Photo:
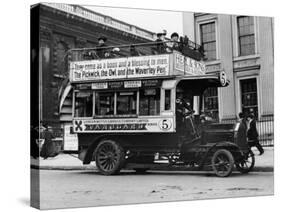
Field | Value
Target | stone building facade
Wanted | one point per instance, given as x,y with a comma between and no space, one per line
63,27
243,47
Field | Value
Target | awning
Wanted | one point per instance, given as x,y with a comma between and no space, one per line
207,80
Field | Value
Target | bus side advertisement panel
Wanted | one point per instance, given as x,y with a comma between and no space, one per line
163,124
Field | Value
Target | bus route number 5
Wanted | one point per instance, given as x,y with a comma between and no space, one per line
165,124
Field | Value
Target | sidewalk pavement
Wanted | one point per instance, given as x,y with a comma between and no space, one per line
62,161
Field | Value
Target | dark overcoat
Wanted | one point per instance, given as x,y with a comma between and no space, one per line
242,135
253,132
48,148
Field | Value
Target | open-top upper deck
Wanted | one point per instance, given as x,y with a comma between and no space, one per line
134,62
162,65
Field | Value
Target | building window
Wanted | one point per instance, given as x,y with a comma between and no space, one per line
211,103
208,40
249,98
246,35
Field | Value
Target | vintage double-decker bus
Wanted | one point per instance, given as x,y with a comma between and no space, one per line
134,111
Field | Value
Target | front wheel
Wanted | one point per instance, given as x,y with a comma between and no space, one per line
109,157
247,163
222,163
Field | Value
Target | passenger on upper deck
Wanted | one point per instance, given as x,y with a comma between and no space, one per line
101,50
160,44
134,51
175,44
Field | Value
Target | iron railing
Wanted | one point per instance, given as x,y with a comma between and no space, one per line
265,127
186,47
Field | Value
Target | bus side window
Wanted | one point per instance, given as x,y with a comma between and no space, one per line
126,102
104,103
83,104
167,100
149,103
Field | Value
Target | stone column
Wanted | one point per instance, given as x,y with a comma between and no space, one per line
266,45
226,95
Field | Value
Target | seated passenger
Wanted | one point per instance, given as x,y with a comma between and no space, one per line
133,51
101,50
160,44
175,44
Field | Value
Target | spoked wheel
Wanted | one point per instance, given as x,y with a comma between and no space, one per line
222,163
109,157
247,163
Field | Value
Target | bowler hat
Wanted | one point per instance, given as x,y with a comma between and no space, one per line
161,33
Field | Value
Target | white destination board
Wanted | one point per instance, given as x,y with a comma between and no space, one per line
153,124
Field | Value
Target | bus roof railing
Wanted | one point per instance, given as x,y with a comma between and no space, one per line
188,48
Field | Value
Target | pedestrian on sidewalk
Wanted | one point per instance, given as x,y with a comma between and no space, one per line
34,148
252,134
242,133
48,148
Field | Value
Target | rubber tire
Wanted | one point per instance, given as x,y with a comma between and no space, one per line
120,157
230,159
243,170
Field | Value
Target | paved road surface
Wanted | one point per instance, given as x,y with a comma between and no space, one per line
61,189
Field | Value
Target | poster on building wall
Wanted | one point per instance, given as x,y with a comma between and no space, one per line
70,138
120,68
124,125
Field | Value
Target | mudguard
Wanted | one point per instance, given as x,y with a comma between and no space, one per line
233,148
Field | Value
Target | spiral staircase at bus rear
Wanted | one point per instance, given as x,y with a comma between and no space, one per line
65,102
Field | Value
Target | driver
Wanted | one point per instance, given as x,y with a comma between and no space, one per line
184,118
183,107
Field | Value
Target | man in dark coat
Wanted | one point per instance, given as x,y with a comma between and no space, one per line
160,44
48,148
253,135
101,49
242,133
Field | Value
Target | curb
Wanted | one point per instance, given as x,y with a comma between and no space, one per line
93,168
63,168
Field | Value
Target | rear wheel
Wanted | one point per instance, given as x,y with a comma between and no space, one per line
222,163
247,163
109,157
